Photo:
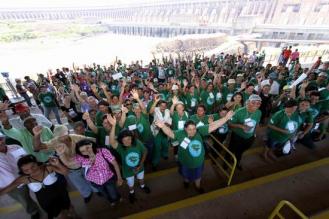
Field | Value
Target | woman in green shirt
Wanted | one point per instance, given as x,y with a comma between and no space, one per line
133,155
191,150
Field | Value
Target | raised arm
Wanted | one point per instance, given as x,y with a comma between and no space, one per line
123,85
174,103
135,95
37,144
218,123
165,129
106,93
113,122
156,100
90,123
95,92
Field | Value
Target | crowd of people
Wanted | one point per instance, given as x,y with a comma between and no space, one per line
125,118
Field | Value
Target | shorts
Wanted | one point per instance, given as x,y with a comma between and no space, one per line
131,179
191,174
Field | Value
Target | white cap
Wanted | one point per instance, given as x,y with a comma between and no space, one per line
174,87
231,81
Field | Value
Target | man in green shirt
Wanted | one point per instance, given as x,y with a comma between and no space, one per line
103,108
283,126
49,103
191,149
133,155
243,125
25,135
304,136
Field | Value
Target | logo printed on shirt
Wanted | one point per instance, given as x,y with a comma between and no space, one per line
195,148
132,159
140,127
291,126
47,99
210,101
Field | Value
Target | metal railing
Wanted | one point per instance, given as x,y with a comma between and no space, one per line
215,154
276,211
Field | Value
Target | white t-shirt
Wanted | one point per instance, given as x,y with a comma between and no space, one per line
275,87
8,164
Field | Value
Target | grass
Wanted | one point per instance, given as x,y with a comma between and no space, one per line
11,31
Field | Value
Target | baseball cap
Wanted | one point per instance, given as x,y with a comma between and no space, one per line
323,74
21,108
231,81
254,97
60,130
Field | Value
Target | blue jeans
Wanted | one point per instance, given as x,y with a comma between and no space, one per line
78,180
48,110
109,190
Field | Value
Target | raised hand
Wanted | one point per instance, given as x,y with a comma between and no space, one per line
37,130
124,109
174,100
86,116
210,119
134,93
54,161
103,86
111,119
4,106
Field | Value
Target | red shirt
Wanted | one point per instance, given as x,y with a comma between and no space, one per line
286,53
99,172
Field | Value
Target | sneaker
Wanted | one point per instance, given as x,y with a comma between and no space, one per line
146,189
154,168
35,216
200,190
132,198
87,199
99,194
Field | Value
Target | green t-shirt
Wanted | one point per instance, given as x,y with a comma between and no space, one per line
99,118
178,122
208,99
242,116
281,120
142,126
201,121
306,117
192,153
131,158
191,101
47,99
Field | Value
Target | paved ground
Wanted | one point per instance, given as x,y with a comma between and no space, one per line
167,187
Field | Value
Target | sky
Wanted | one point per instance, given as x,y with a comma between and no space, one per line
64,3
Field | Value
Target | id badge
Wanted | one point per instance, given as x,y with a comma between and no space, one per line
181,125
193,103
185,143
200,124
132,127
107,140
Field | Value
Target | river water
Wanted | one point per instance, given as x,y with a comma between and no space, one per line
37,56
